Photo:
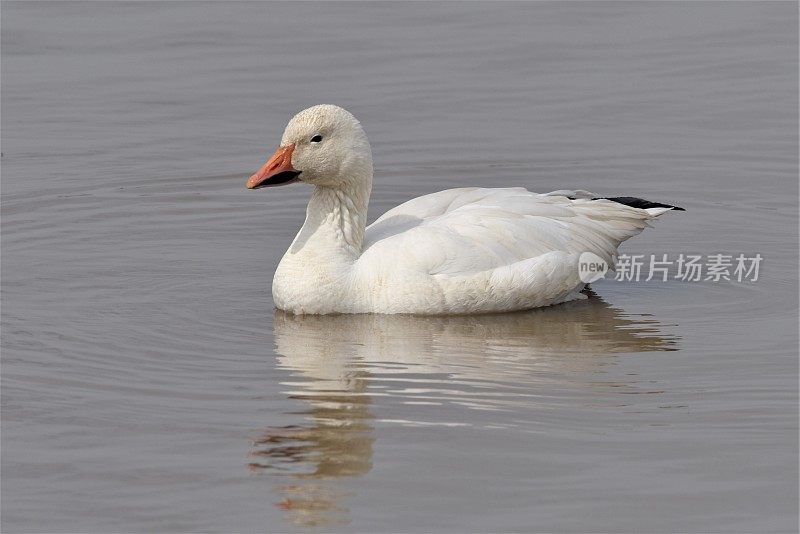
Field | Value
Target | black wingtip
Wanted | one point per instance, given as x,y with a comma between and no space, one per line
639,203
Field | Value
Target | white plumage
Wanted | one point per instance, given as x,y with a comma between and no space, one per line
466,250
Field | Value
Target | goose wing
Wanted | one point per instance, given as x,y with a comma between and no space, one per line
468,230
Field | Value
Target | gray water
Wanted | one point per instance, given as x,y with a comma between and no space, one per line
149,385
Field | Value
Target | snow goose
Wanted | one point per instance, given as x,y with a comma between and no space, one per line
458,251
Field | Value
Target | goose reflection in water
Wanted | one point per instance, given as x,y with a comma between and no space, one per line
490,362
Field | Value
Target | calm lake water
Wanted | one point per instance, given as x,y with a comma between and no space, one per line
148,384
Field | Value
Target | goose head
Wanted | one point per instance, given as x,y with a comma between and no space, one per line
323,145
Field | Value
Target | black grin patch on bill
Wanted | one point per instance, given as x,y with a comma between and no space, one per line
282,178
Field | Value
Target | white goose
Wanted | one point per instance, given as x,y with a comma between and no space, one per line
466,250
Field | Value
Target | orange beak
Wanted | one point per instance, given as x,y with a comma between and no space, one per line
276,171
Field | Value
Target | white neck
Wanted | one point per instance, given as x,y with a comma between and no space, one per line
335,221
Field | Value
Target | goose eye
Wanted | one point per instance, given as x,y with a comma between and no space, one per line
316,139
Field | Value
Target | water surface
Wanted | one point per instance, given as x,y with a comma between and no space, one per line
149,385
